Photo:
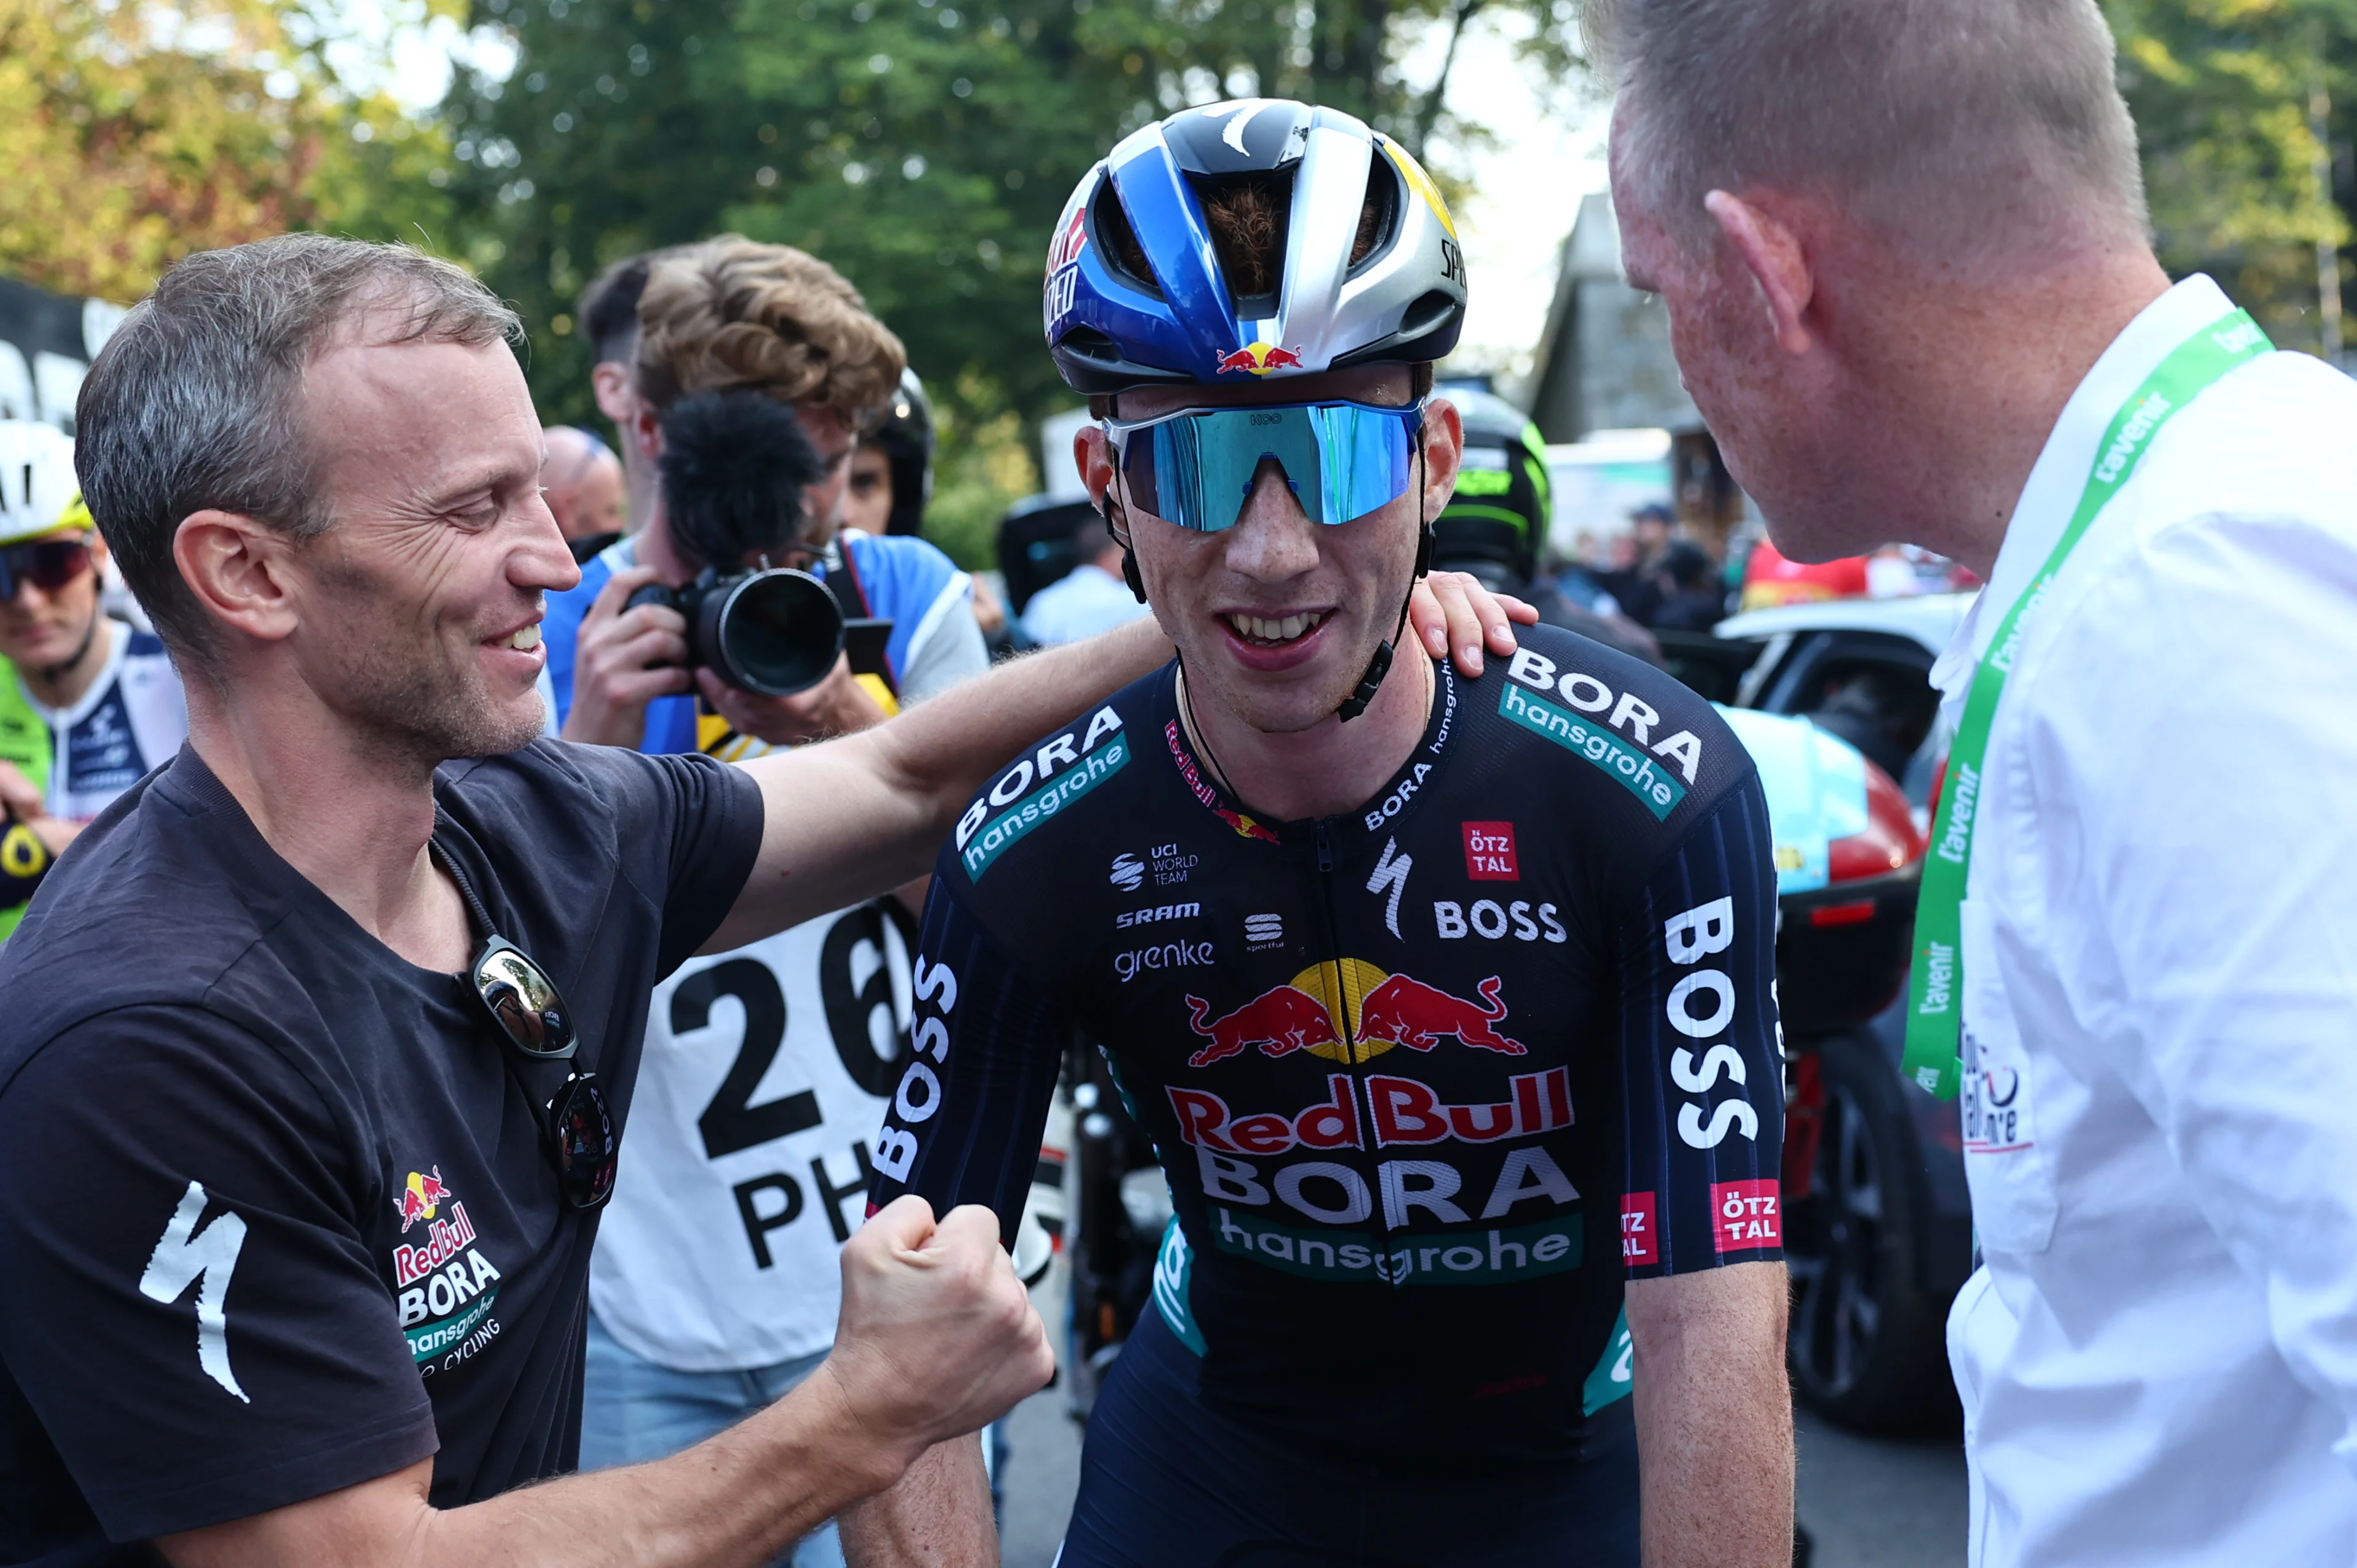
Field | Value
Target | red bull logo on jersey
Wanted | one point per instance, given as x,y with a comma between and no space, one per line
1351,1011
1260,359
420,1198
1397,1110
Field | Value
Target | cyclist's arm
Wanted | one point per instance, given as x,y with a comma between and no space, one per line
964,1127
1713,1417
850,818
1702,1222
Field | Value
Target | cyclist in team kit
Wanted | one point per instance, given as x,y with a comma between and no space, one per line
1447,1003
88,703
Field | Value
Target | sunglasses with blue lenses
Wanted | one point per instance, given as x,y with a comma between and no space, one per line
1196,468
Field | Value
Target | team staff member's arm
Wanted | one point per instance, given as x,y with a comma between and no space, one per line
964,1128
1702,1217
851,817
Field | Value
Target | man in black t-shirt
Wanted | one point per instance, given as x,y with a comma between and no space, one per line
296,1230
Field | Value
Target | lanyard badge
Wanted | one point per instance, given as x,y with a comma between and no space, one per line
1935,978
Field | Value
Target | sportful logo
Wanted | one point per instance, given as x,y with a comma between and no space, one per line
1263,931
1064,776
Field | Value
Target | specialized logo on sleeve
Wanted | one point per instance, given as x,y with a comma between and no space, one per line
186,1256
1063,772
444,1285
1657,772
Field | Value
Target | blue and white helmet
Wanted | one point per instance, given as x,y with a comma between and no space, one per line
1112,327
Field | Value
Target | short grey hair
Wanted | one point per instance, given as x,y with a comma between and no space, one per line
196,401
1966,127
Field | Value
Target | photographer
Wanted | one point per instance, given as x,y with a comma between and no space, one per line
731,314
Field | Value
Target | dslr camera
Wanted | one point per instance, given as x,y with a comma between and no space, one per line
734,467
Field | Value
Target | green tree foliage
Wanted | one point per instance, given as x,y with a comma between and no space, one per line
2243,110
923,147
133,136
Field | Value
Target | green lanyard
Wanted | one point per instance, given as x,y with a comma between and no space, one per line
1935,982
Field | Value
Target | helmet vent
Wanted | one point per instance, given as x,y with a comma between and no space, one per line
1378,216
1117,244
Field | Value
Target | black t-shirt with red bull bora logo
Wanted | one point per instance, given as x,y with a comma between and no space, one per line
1430,1080
277,1221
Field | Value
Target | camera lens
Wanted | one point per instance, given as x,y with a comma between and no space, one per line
776,632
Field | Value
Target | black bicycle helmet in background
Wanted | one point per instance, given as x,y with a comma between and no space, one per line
906,437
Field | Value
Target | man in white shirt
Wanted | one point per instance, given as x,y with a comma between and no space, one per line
1903,248
1090,598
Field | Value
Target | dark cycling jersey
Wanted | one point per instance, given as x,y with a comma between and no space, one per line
1428,1079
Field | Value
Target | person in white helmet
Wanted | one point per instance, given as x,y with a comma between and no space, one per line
88,703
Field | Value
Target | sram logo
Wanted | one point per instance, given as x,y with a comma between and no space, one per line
1129,917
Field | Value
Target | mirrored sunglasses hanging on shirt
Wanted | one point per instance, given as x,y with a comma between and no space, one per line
528,1015
1195,468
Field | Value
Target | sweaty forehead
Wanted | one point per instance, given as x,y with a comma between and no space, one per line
1392,384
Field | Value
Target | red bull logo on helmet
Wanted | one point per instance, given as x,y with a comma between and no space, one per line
1260,359
1351,1011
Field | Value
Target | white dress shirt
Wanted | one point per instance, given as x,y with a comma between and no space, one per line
2158,1356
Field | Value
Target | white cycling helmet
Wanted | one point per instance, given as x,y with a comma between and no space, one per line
39,492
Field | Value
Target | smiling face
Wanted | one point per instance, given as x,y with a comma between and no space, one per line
418,609
1276,617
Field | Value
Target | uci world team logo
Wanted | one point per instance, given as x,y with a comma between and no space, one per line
1350,1011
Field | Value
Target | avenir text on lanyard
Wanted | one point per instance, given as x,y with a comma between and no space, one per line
1935,980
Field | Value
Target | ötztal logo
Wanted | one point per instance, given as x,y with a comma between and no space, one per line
1490,852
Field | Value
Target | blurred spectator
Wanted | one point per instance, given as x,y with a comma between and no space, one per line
585,487
1090,598
608,322
88,703
1635,580
1694,600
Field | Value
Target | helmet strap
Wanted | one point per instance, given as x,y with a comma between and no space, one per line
1129,572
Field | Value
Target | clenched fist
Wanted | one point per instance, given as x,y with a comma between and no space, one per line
937,1337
